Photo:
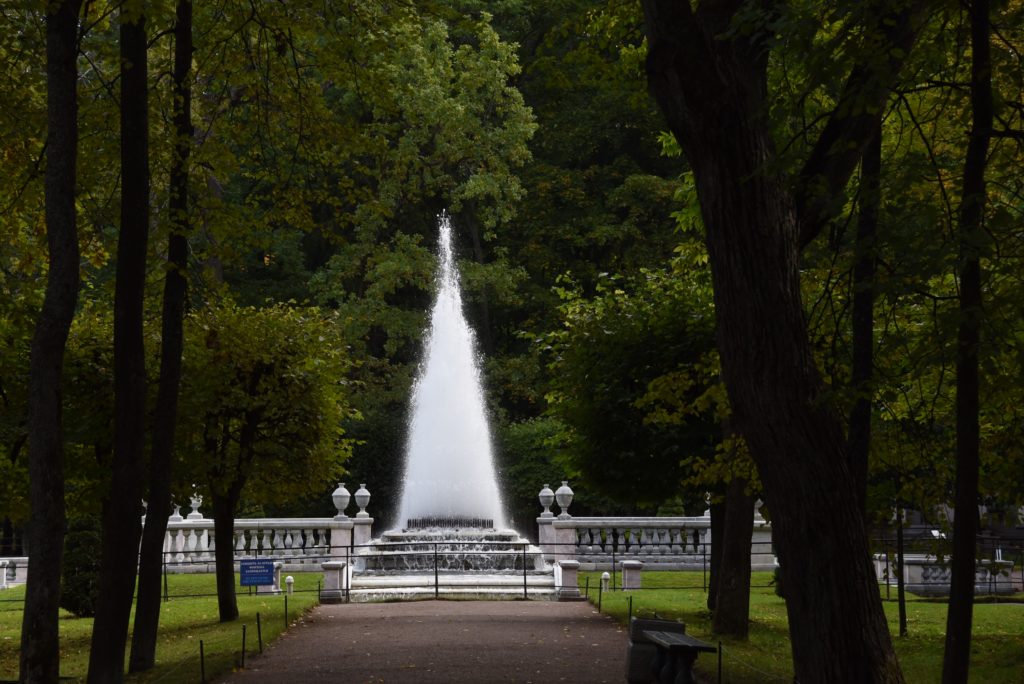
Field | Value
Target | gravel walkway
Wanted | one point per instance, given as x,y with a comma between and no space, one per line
445,641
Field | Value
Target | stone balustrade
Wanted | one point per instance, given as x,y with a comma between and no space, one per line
660,542
297,540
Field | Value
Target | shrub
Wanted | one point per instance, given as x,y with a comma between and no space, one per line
81,572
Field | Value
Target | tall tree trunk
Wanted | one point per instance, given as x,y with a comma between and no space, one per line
40,649
859,431
147,608
710,80
121,526
224,554
732,607
956,660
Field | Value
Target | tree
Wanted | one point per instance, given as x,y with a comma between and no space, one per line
263,399
40,649
147,609
956,660
122,509
614,359
708,70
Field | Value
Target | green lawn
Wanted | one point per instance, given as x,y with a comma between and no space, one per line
185,620
997,650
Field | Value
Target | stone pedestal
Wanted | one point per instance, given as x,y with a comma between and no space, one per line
631,574
335,582
564,543
274,588
362,532
566,579
341,537
546,537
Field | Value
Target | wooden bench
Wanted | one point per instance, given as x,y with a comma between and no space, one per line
676,655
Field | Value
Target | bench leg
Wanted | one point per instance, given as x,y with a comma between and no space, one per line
683,666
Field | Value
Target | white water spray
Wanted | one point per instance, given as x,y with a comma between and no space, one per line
449,468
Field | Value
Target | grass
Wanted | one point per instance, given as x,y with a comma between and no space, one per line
185,619
997,649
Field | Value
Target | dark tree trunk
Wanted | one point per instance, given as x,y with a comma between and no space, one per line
956,660
40,649
711,82
147,608
859,432
121,525
732,607
717,536
224,554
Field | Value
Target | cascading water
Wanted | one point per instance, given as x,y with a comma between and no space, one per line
449,468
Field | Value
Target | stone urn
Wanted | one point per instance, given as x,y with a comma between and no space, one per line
546,498
341,497
362,499
563,495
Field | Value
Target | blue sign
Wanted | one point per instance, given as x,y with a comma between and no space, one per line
256,572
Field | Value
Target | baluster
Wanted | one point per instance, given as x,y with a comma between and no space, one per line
664,549
586,546
580,546
675,549
204,545
211,547
179,546
598,541
621,541
288,542
240,549
277,545
645,541
265,547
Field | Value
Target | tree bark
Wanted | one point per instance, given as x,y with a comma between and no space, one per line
224,554
956,660
40,649
121,524
147,608
711,82
859,431
732,607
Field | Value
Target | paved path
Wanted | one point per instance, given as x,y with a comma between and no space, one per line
445,641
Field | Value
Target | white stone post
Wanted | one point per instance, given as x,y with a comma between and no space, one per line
274,588
567,583
335,576
631,574
341,538
564,543
3,574
362,533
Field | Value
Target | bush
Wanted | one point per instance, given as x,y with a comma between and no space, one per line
777,581
81,573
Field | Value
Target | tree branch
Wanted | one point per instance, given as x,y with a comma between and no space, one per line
857,113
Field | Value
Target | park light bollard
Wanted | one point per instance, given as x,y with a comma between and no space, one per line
567,579
289,582
605,579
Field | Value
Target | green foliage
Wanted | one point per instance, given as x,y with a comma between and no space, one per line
621,357
264,394
81,570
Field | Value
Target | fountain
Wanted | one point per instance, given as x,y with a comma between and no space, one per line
451,512
449,469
